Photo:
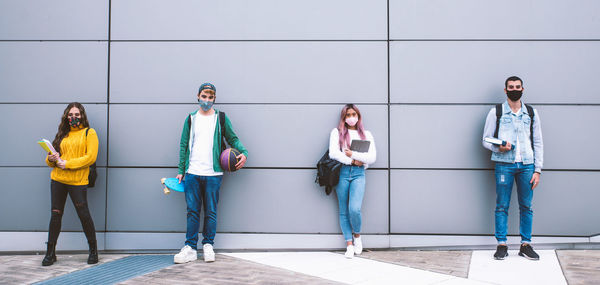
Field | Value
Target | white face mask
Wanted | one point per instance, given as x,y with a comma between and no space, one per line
351,121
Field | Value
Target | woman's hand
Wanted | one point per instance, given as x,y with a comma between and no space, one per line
179,177
53,157
242,161
357,163
348,152
61,163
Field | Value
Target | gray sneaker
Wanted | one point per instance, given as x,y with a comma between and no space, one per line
527,252
501,252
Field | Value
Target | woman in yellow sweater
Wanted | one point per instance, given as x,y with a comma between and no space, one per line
77,147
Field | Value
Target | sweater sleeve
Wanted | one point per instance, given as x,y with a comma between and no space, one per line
232,138
334,148
90,156
50,163
369,156
183,146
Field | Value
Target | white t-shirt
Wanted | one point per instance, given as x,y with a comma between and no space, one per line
518,157
201,158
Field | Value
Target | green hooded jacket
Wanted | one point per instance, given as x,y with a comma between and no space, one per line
185,144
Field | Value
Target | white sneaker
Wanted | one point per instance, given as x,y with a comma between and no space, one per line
358,245
349,251
209,253
186,254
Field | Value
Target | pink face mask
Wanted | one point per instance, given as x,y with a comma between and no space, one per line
351,121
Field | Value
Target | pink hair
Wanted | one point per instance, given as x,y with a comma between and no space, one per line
343,128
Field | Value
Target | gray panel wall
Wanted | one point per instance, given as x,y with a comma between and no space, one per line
54,20
256,20
48,72
512,19
283,70
250,72
554,72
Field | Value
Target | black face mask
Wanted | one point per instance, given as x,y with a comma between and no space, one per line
514,95
74,122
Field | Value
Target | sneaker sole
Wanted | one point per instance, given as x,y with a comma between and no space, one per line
209,259
530,258
501,257
183,261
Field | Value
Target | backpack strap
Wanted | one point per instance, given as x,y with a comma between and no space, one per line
222,124
531,114
498,116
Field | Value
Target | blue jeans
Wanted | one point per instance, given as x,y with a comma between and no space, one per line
506,174
350,192
201,191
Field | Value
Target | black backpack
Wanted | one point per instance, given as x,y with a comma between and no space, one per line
328,172
499,115
93,173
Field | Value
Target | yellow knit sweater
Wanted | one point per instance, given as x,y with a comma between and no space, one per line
79,152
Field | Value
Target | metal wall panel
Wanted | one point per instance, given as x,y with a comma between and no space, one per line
51,72
448,136
250,72
242,20
444,202
26,195
513,19
251,200
275,135
54,20
28,123
463,201
466,72
569,134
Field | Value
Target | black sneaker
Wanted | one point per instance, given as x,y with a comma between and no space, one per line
501,252
527,252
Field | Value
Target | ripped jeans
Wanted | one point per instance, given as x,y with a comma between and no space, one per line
78,195
506,175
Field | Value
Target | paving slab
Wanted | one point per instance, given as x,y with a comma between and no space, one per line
225,270
581,267
335,267
454,263
515,270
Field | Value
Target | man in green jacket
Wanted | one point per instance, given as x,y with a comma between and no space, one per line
199,151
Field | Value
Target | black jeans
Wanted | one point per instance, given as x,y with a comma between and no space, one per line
78,195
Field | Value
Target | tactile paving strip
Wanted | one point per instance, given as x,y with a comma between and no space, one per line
115,271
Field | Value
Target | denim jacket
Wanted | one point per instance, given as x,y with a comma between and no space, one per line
512,128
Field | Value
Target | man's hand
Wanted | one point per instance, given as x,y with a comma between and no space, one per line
505,148
348,152
357,163
61,163
241,162
179,177
535,180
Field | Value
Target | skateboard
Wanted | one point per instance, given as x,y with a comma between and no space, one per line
171,184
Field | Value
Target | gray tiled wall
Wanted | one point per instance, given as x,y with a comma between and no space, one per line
424,73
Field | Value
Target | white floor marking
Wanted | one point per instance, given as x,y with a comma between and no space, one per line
516,269
336,267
